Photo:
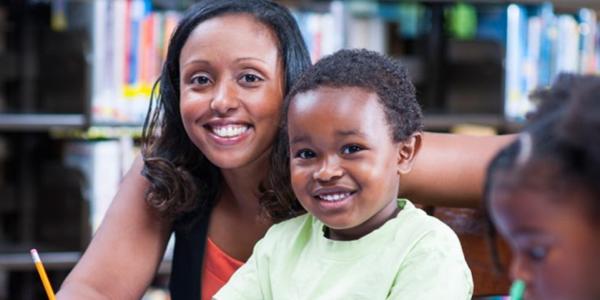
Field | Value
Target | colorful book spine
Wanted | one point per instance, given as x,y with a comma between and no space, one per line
540,45
515,53
588,29
130,45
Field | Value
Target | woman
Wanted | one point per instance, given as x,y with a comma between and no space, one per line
206,147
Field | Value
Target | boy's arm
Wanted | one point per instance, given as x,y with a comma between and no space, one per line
450,169
435,269
124,254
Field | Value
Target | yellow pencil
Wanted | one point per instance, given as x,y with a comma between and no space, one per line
43,276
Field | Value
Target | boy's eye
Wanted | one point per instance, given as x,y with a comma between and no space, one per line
305,154
349,149
537,253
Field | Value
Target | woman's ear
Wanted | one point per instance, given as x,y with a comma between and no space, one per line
407,152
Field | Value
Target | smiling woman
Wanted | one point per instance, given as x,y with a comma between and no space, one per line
206,149
231,92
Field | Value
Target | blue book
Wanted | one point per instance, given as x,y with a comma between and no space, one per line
547,58
516,49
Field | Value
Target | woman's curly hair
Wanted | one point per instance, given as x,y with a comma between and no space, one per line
183,181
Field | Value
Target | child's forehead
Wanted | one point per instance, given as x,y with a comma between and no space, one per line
351,102
525,199
328,89
540,175
333,108
332,95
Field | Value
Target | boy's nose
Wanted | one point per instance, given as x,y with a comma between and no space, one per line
519,269
329,170
225,99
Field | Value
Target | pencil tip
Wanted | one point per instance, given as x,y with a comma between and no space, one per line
35,255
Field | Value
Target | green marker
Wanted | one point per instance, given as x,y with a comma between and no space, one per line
517,290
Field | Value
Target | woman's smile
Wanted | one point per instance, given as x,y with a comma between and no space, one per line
228,132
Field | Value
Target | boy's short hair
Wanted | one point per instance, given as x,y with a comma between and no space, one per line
373,72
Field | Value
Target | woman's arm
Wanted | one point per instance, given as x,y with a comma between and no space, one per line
450,169
125,252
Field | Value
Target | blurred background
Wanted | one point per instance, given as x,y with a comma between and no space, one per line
76,77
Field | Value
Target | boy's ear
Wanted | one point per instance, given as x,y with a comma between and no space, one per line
407,152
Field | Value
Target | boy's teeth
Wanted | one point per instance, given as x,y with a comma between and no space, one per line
229,130
334,197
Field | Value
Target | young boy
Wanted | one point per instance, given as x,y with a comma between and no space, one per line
353,127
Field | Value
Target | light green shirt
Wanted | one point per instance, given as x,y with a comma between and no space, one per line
413,256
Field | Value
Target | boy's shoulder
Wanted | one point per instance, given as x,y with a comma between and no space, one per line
294,229
414,224
292,224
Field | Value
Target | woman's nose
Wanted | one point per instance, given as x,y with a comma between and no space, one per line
225,99
329,169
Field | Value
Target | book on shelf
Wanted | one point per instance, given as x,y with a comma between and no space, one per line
130,42
343,25
542,44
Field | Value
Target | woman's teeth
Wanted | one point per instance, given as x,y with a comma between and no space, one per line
334,197
229,130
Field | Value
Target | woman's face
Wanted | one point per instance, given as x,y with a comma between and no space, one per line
231,89
555,245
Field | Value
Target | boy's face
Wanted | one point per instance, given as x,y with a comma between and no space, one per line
555,246
344,164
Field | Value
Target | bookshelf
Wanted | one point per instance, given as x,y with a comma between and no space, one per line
40,122
64,93
467,57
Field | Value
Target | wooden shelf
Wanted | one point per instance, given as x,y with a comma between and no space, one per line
54,261
447,121
40,122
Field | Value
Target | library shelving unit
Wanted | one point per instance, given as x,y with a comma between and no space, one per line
75,78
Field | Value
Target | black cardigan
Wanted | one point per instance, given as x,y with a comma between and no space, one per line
186,271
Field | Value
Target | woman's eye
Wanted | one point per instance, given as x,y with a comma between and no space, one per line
305,154
349,149
250,78
537,253
200,79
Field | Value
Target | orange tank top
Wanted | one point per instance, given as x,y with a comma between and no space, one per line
216,270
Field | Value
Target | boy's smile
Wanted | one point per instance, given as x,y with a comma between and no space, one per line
344,163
